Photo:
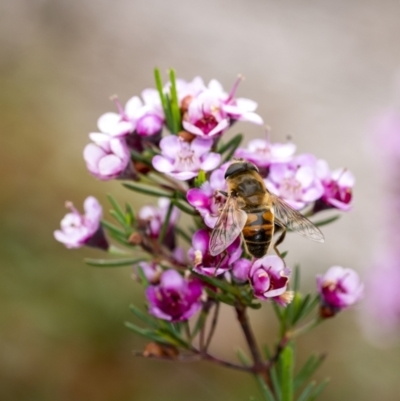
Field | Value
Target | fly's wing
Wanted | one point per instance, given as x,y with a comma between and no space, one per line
228,226
285,216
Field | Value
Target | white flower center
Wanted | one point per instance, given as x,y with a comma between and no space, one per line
186,159
291,188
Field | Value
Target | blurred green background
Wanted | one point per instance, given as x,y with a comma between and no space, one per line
320,70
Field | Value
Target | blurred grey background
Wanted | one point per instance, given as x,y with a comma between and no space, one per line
320,71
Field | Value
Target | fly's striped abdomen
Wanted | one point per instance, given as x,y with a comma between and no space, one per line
258,231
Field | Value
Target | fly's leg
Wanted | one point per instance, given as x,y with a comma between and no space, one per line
279,241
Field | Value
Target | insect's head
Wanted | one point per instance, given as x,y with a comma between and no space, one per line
240,166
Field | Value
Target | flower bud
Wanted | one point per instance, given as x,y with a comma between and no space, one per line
339,288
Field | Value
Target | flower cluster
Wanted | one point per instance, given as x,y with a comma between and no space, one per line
170,144
202,114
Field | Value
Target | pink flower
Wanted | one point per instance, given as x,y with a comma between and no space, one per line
339,288
205,116
151,271
337,185
183,160
152,219
144,118
175,298
78,230
213,110
296,182
204,262
263,153
187,90
269,278
207,199
107,157
241,269
147,115
113,124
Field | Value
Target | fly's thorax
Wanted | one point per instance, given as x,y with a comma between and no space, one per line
249,186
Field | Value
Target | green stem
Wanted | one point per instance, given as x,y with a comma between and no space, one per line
304,329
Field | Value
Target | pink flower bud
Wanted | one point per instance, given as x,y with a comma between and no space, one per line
339,288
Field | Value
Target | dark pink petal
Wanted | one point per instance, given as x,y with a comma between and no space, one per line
197,198
171,279
200,241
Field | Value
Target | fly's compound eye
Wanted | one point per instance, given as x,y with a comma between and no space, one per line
240,167
234,168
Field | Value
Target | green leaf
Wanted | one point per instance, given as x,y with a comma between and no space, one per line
254,306
278,311
143,279
243,358
114,250
176,114
309,308
163,98
301,308
286,365
118,210
267,352
200,322
183,235
164,227
121,220
120,239
200,179
304,396
141,158
296,279
294,308
284,254
185,208
224,298
112,262
113,229
326,221
266,392
308,369
275,383
144,317
216,282
319,389
129,215
235,144
147,190
147,333
172,337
